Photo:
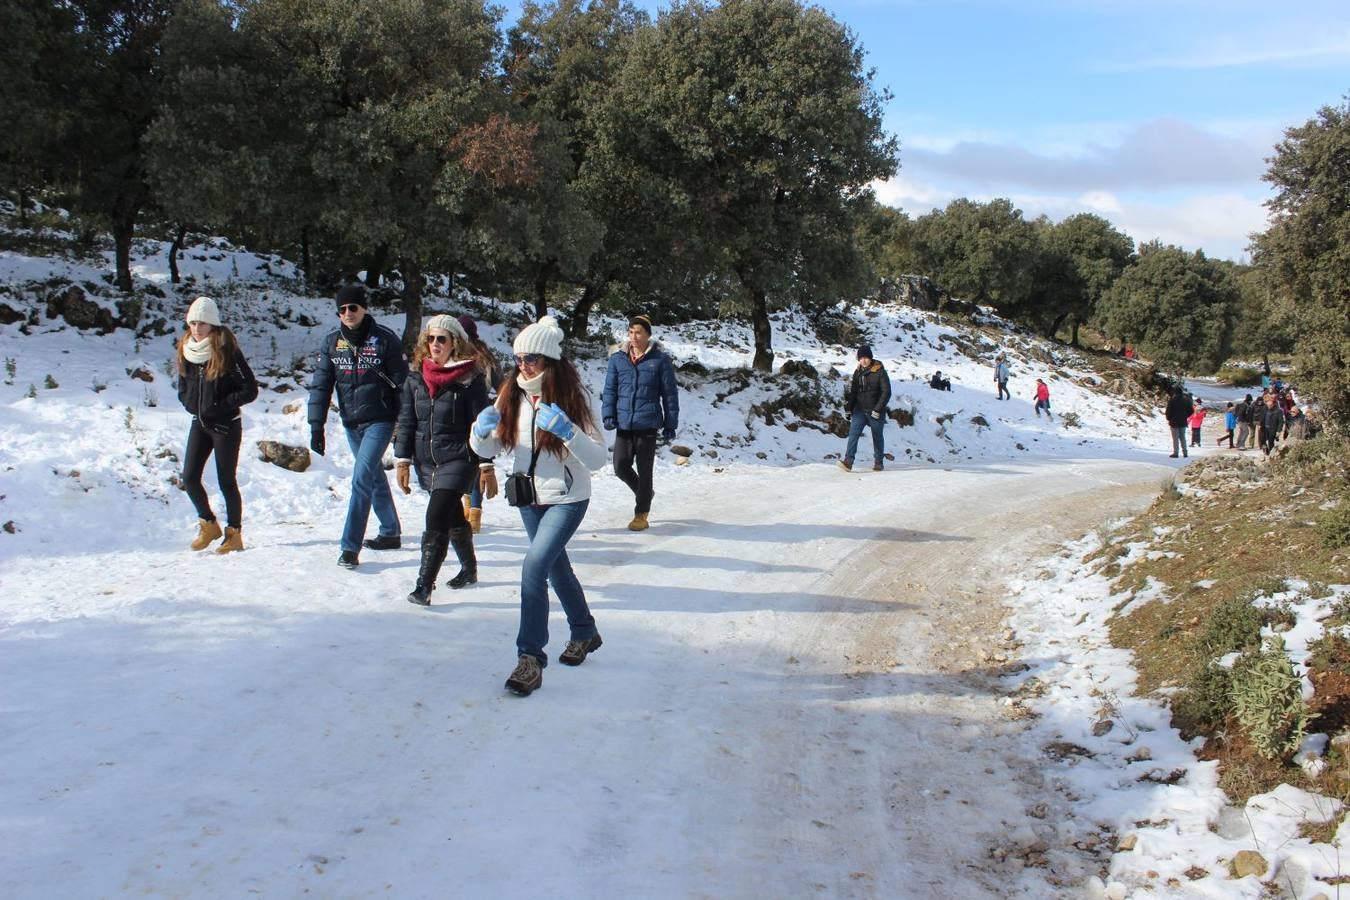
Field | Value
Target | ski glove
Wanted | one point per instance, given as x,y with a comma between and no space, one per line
485,423
667,435
611,423
875,414
403,473
553,420
487,483
316,440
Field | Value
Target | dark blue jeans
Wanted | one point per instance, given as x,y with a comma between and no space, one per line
546,563
856,424
370,486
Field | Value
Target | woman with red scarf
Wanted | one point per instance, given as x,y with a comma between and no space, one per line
443,395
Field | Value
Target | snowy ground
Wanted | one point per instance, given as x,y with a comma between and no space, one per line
803,687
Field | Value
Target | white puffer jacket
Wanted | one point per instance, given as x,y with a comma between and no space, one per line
566,480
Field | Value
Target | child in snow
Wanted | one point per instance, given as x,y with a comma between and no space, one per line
1229,423
1043,398
214,380
1195,420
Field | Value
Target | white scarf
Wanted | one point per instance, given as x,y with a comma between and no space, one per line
196,351
531,386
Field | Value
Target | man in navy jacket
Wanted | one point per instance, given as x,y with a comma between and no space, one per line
365,364
640,400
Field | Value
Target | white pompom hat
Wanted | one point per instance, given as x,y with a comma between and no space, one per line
450,324
203,309
544,337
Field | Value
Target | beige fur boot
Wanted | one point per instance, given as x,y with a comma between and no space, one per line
206,533
233,541
639,522
476,520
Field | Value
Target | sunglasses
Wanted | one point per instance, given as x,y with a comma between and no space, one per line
529,359
438,339
348,308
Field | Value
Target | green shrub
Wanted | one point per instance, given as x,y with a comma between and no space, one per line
1268,701
1205,703
1238,376
1333,527
1235,624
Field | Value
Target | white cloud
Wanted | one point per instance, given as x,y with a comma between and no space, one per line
1262,50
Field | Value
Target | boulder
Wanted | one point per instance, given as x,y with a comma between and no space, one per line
1249,862
72,304
284,455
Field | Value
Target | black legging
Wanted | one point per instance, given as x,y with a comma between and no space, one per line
202,442
639,446
446,510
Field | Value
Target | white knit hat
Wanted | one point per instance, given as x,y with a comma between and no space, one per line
450,324
544,336
203,309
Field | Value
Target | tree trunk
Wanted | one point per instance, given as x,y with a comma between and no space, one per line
579,322
304,257
122,230
413,282
375,266
763,330
1054,328
540,297
1073,332
174,249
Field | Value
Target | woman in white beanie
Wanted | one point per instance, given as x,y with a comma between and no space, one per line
443,394
544,415
214,381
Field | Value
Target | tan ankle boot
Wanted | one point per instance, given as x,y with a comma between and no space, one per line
476,520
639,522
233,541
206,533
464,498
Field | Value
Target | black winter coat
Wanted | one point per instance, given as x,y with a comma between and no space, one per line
215,403
434,432
869,391
1179,409
367,378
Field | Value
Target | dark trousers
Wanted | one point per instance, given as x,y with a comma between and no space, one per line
202,442
1267,439
639,447
1195,436
446,510
1003,393
1226,436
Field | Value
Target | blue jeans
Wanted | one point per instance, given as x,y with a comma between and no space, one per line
856,424
546,563
370,487
476,495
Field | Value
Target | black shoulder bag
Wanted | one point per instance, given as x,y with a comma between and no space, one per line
519,489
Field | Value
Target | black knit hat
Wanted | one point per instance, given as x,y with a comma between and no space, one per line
865,352
353,293
640,319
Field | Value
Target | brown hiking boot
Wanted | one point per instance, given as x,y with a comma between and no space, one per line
527,677
206,533
876,466
846,465
233,541
639,522
577,651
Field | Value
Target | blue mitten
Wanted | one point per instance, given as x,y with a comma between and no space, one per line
555,421
485,423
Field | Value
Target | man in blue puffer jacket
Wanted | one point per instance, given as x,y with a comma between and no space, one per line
640,400
365,363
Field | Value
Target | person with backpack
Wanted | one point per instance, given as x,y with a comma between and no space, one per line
640,401
364,364
214,381
442,396
543,417
865,402
1178,412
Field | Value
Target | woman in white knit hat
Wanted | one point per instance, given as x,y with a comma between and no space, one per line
214,381
444,393
544,416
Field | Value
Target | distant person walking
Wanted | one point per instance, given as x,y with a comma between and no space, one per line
543,417
444,393
1043,399
1270,423
1001,374
1229,423
1196,420
214,381
1178,412
492,376
363,362
865,403
640,401
1242,413
1254,408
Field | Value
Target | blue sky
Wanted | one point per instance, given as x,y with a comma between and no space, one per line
1156,115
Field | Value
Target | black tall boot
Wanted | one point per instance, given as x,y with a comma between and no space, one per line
461,538
433,554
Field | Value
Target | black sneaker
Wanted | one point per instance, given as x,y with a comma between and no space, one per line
576,651
384,542
349,559
527,678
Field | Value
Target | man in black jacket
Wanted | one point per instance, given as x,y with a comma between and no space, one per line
364,362
865,403
1179,410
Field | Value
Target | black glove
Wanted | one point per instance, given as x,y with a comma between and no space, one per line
316,440
667,435
611,423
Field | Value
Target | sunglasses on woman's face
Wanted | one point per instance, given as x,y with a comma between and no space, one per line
438,339
348,308
529,359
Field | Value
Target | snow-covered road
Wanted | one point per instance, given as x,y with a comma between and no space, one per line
790,700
